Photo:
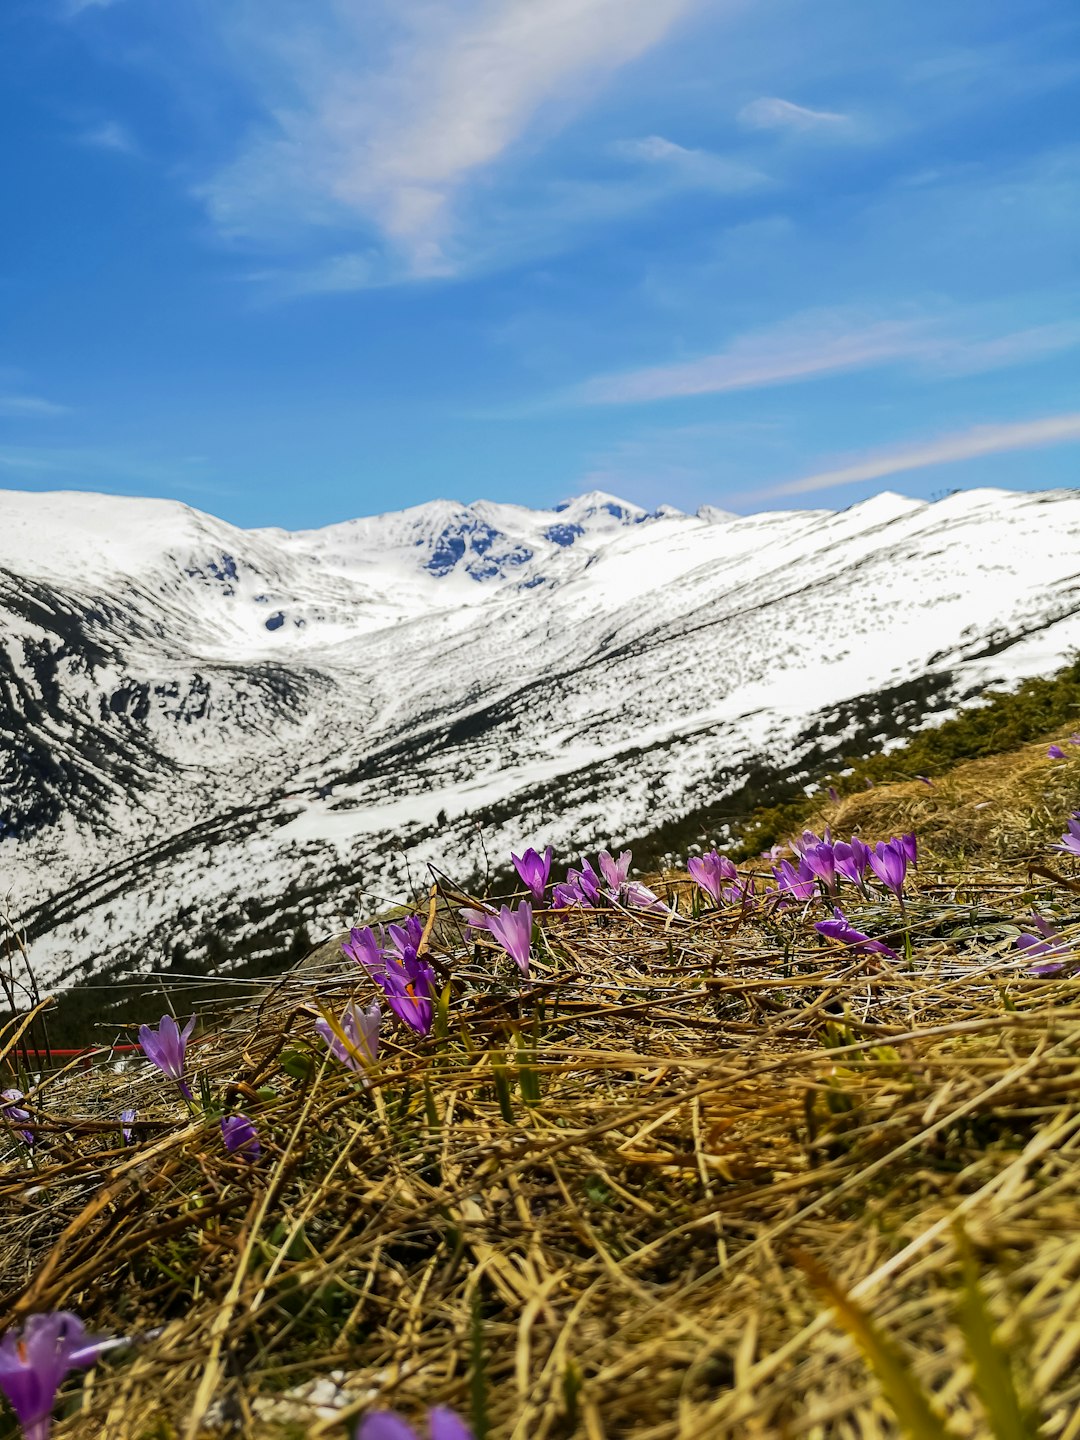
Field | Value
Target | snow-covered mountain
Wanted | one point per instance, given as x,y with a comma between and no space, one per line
212,737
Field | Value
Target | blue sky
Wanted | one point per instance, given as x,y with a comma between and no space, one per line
295,260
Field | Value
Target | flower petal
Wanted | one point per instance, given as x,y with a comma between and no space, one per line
385,1425
445,1425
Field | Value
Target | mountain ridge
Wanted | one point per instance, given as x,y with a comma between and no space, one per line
578,692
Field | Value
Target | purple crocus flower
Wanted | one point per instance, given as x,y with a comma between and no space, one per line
442,1424
363,947
805,840
405,979
402,938
860,854
14,1113
1047,943
1074,739
513,930
740,891
840,928
821,862
1070,841
361,1030
844,861
586,881
925,779
166,1047
127,1119
833,794
797,884
240,1137
615,871
1055,753
33,1366
474,919
640,897
568,895
889,864
710,871
534,870
852,860
410,987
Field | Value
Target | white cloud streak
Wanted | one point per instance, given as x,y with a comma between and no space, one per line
815,344
772,113
395,144
553,211
975,355
831,341
947,450
693,169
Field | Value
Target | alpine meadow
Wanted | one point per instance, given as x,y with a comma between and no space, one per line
539,720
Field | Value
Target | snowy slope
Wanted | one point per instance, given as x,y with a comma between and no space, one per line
206,729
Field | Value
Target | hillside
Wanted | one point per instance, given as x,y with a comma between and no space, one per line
643,1192
218,743
930,785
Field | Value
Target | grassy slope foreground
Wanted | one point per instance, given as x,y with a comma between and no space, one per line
772,803
705,1175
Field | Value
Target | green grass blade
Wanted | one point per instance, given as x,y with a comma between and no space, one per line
1009,1418
917,1416
528,1079
478,1383
431,1110
502,1086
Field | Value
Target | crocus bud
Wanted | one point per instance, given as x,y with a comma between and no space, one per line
240,1137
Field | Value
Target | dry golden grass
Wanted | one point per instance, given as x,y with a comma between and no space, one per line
586,1204
992,812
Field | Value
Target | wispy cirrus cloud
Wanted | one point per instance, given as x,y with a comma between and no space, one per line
976,354
30,407
971,444
693,168
814,344
527,222
392,144
827,342
536,220
771,113
109,135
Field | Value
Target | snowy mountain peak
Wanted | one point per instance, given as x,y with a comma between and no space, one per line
713,515
485,541
600,503
201,724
